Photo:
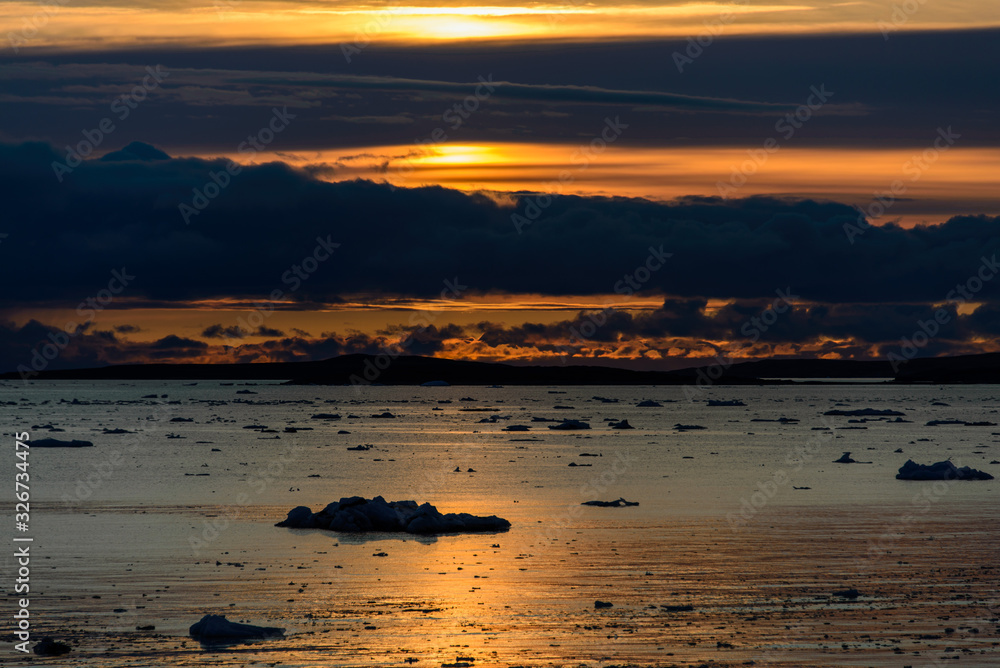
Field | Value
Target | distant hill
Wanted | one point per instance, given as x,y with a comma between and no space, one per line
413,370
799,368
983,368
363,369
270,371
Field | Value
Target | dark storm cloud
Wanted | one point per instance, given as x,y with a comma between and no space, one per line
212,109
219,332
268,331
502,89
241,87
425,340
236,332
259,237
883,325
329,344
907,87
41,347
173,344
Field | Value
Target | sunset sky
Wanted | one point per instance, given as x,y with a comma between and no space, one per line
555,182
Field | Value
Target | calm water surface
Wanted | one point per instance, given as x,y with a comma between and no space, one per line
747,520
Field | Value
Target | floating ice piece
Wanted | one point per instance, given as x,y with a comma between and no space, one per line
847,593
982,423
864,412
570,424
621,425
620,503
50,647
218,628
687,427
939,471
56,443
649,403
724,402
357,514
846,459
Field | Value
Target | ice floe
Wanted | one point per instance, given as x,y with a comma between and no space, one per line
219,629
56,443
945,470
358,514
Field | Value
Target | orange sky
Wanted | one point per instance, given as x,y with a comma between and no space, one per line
100,24
938,184
354,125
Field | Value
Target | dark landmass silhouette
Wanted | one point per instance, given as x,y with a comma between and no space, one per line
415,370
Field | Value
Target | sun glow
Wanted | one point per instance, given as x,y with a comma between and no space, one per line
849,175
452,26
462,155
104,24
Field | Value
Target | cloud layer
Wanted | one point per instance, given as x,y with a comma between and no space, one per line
268,234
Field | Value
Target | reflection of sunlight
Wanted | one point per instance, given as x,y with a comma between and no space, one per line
460,155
